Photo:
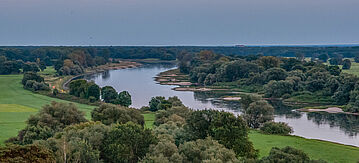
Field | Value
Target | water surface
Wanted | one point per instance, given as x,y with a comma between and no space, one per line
139,82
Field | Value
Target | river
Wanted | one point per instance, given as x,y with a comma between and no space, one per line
139,82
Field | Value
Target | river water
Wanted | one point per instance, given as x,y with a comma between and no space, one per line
139,82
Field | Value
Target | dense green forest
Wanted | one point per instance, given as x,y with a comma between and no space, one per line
275,77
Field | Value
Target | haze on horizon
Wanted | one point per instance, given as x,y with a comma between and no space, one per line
178,22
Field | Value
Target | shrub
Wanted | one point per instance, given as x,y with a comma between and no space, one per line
278,128
109,113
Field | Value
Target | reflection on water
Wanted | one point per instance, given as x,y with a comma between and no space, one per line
140,84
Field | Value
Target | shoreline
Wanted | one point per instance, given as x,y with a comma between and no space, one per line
102,68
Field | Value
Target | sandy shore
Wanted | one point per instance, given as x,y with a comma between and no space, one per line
328,110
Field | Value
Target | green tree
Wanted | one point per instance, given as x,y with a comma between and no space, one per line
78,143
31,76
78,88
109,94
124,99
277,89
287,154
127,143
109,114
258,113
323,57
347,64
268,62
274,74
229,130
278,128
206,150
93,90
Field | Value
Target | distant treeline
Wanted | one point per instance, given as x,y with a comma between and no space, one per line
71,60
31,53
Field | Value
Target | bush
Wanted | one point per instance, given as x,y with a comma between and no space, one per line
287,154
36,86
278,128
109,114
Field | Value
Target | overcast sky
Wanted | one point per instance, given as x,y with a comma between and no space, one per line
178,22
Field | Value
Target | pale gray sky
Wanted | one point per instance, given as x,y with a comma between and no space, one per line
178,22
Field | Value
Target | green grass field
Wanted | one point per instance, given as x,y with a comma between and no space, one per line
316,149
17,104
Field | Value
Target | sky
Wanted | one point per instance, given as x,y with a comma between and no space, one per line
178,22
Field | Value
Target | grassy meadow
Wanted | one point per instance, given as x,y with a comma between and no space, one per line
17,104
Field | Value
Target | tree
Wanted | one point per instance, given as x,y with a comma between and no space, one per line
164,151
274,74
277,89
208,150
78,88
27,153
323,57
268,62
124,99
347,64
30,67
109,94
278,128
229,130
109,114
299,56
78,143
31,76
258,113
93,90
287,154
356,58
127,143
49,120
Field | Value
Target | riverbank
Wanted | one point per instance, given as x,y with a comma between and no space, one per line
61,82
316,149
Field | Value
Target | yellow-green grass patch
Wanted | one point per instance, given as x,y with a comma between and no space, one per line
15,108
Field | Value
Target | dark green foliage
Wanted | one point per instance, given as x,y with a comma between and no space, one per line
30,67
109,94
347,64
268,62
278,88
109,114
127,143
49,120
323,57
83,89
9,67
278,128
78,88
124,99
93,90
356,58
160,103
31,76
36,86
224,127
27,153
55,92
274,74
258,113
287,154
